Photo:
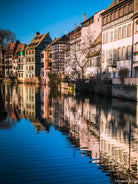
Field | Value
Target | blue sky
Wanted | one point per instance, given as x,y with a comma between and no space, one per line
25,17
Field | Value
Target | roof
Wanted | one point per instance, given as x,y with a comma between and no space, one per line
93,54
36,41
90,17
49,47
113,4
11,48
20,47
97,41
62,40
77,29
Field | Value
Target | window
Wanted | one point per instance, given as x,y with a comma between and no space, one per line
125,9
119,33
124,52
120,12
129,30
104,39
26,67
103,56
108,18
111,36
50,55
116,1
116,14
42,55
120,53
104,20
115,35
124,32
107,38
112,16
26,75
115,55
130,7
21,74
110,55
129,52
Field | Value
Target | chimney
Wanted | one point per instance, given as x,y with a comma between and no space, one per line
84,17
37,33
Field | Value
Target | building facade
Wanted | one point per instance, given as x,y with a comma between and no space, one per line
135,55
46,63
10,60
72,53
32,56
58,48
20,62
90,36
118,38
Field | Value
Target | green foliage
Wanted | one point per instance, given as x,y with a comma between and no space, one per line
53,80
123,72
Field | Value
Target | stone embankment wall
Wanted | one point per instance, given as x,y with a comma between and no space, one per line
127,90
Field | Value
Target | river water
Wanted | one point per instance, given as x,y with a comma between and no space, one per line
50,139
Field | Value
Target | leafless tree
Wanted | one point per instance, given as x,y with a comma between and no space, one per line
80,53
6,37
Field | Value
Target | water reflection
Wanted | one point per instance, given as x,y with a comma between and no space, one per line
105,130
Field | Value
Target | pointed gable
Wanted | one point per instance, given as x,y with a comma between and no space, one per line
36,41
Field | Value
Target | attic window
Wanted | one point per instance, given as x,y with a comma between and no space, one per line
116,1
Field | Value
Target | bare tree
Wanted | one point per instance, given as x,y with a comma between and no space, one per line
6,37
80,52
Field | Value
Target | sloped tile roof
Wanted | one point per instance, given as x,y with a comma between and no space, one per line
36,41
11,48
62,40
49,47
97,41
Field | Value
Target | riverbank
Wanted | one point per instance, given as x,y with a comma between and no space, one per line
88,87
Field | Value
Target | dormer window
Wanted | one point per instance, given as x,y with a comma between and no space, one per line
116,1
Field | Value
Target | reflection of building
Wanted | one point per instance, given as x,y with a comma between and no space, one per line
107,131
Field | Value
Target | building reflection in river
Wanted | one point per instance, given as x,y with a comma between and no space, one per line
104,130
